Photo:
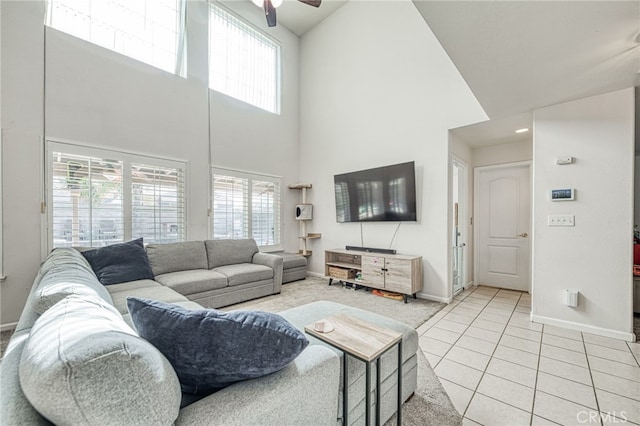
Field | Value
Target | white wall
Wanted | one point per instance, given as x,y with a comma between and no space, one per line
22,122
376,89
595,256
504,153
101,98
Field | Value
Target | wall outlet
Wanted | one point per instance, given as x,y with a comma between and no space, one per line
561,220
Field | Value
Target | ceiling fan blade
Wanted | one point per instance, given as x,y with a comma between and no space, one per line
270,13
314,3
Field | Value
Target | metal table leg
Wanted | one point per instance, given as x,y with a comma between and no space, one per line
378,391
345,393
399,412
368,395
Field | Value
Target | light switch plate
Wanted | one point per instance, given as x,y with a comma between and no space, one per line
561,220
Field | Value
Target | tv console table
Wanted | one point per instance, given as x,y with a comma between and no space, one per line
392,272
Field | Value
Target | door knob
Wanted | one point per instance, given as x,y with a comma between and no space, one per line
524,235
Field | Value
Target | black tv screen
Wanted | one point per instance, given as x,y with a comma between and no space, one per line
377,195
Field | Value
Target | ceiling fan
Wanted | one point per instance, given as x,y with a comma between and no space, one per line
269,7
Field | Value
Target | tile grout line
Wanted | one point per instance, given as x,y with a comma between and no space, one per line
535,382
475,391
593,384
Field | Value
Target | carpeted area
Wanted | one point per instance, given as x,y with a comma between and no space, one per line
430,405
297,293
4,341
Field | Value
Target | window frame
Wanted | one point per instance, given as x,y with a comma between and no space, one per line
128,158
251,176
180,64
278,56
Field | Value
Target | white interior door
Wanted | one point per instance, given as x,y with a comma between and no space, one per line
503,225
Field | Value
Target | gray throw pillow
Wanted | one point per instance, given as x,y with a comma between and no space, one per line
120,263
210,349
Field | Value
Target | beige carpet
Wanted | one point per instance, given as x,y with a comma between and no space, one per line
313,289
430,404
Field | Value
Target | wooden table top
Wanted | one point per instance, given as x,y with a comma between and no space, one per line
357,337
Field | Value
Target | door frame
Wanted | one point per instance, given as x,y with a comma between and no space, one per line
463,215
476,224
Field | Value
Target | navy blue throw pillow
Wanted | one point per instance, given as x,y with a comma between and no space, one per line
210,349
119,263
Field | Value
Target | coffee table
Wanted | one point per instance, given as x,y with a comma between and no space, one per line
366,342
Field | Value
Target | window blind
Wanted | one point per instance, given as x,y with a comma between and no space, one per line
265,196
99,197
243,62
230,207
246,205
87,194
150,31
157,203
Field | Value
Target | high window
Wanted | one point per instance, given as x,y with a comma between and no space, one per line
99,197
150,31
243,62
246,205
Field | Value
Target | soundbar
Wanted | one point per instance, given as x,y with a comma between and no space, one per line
371,250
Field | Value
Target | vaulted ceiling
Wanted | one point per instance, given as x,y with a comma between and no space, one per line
517,56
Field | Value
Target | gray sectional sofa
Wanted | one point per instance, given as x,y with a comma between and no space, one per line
76,359
216,273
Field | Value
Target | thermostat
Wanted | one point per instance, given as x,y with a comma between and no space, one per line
563,194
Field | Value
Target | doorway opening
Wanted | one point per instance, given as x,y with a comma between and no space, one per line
459,197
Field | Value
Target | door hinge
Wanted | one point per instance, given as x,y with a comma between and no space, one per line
43,207
471,221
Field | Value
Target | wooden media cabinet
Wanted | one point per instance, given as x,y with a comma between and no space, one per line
391,272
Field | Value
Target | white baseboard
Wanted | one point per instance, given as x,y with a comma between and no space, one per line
8,327
606,332
440,299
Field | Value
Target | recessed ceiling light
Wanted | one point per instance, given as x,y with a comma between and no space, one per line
523,130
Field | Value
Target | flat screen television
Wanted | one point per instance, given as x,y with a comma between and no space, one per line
377,195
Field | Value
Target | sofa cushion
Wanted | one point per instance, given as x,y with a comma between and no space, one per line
210,349
292,260
244,273
229,252
172,257
157,292
83,365
193,281
119,263
131,285
63,273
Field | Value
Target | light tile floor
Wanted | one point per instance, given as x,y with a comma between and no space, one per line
499,368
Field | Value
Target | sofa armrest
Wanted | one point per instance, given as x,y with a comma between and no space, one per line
274,262
305,391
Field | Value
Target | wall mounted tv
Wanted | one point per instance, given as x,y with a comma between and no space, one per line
377,195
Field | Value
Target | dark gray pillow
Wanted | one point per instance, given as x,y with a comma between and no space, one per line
210,349
119,263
